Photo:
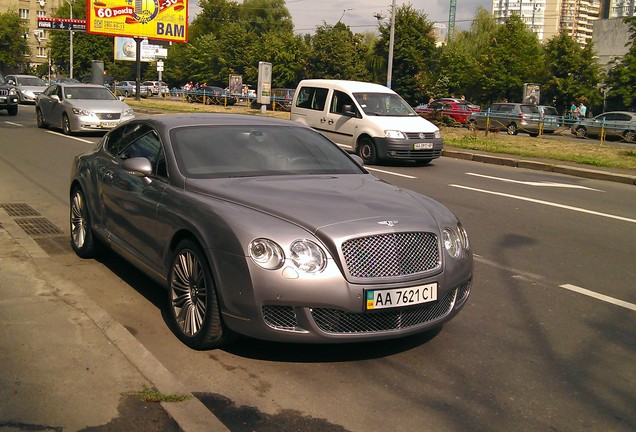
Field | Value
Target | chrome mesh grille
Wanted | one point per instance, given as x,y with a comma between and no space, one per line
337,321
391,255
280,317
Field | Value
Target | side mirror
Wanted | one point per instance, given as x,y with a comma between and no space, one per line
348,111
55,98
138,166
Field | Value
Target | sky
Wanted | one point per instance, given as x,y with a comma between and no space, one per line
359,14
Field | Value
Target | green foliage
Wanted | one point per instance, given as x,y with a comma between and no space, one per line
12,45
336,53
622,78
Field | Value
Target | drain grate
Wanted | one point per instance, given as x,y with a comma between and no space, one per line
38,226
19,210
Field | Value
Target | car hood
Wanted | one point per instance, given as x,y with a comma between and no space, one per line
402,123
328,202
98,105
34,89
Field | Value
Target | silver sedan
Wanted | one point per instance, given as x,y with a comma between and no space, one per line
265,228
80,108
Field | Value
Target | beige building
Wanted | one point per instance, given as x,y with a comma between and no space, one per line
547,18
30,11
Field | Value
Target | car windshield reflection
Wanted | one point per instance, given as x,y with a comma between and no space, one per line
244,151
91,93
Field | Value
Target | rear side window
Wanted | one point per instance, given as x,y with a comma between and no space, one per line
312,98
529,109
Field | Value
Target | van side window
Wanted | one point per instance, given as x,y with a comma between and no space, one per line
312,98
338,100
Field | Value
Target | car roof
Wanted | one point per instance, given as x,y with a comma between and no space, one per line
344,85
84,85
169,121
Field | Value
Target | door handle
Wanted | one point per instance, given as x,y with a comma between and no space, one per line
322,120
330,121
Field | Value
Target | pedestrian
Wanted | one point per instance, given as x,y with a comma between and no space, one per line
582,110
572,109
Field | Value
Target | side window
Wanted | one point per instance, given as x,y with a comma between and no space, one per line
312,98
115,140
339,100
143,141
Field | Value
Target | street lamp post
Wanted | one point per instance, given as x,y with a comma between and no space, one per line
389,71
71,45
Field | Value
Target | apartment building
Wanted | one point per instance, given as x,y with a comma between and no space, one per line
547,18
30,11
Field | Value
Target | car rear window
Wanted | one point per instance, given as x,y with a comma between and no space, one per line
529,109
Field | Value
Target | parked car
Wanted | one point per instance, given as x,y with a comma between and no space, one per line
8,97
154,87
551,118
264,227
457,109
618,124
512,118
211,95
80,108
368,119
129,88
28,86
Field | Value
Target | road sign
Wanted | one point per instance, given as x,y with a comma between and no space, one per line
61,24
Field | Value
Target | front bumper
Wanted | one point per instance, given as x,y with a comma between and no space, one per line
407,149
8,101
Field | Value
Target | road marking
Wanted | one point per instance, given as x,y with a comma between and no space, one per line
540,184
598,296
13,124
71,137
389,172
547,203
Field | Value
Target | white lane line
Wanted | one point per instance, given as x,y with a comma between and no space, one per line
389,172
548,203
540,184
71,137
13,124
598,296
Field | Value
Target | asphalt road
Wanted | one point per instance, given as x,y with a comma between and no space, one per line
547,340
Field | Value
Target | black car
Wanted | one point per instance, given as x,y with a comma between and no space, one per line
8,97
210,95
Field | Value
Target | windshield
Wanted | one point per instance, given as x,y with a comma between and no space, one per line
93,93
30,81
383,104
245,151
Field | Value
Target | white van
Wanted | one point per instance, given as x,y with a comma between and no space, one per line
367,119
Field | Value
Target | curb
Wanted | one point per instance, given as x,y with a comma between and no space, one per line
543,166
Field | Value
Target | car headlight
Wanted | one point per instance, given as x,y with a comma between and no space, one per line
266,253
438,134
394,134
13,92
28,93
308,256
463,236
452,242
82,112
129,113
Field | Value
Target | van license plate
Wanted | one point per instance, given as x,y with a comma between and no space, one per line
398,297
422,146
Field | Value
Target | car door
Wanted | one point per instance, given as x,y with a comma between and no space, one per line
599,122
130,201
338,127
45,103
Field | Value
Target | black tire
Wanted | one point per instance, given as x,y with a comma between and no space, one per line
533,135
40,118
66,125
82,240
194,308
125,93
367,151
13,110
511,129
630,136
581,132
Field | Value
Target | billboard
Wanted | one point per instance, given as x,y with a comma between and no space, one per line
531,93
152,19
126,49
264,89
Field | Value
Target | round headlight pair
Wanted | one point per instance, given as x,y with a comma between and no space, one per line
455,240
306,255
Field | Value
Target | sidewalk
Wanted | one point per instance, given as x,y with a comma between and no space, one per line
67,365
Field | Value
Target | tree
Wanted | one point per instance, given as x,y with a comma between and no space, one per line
572,73
12,48
336,53
513,57
263,16
414,47
288,54
621,79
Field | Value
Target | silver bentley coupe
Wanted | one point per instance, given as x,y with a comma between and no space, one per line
263,227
